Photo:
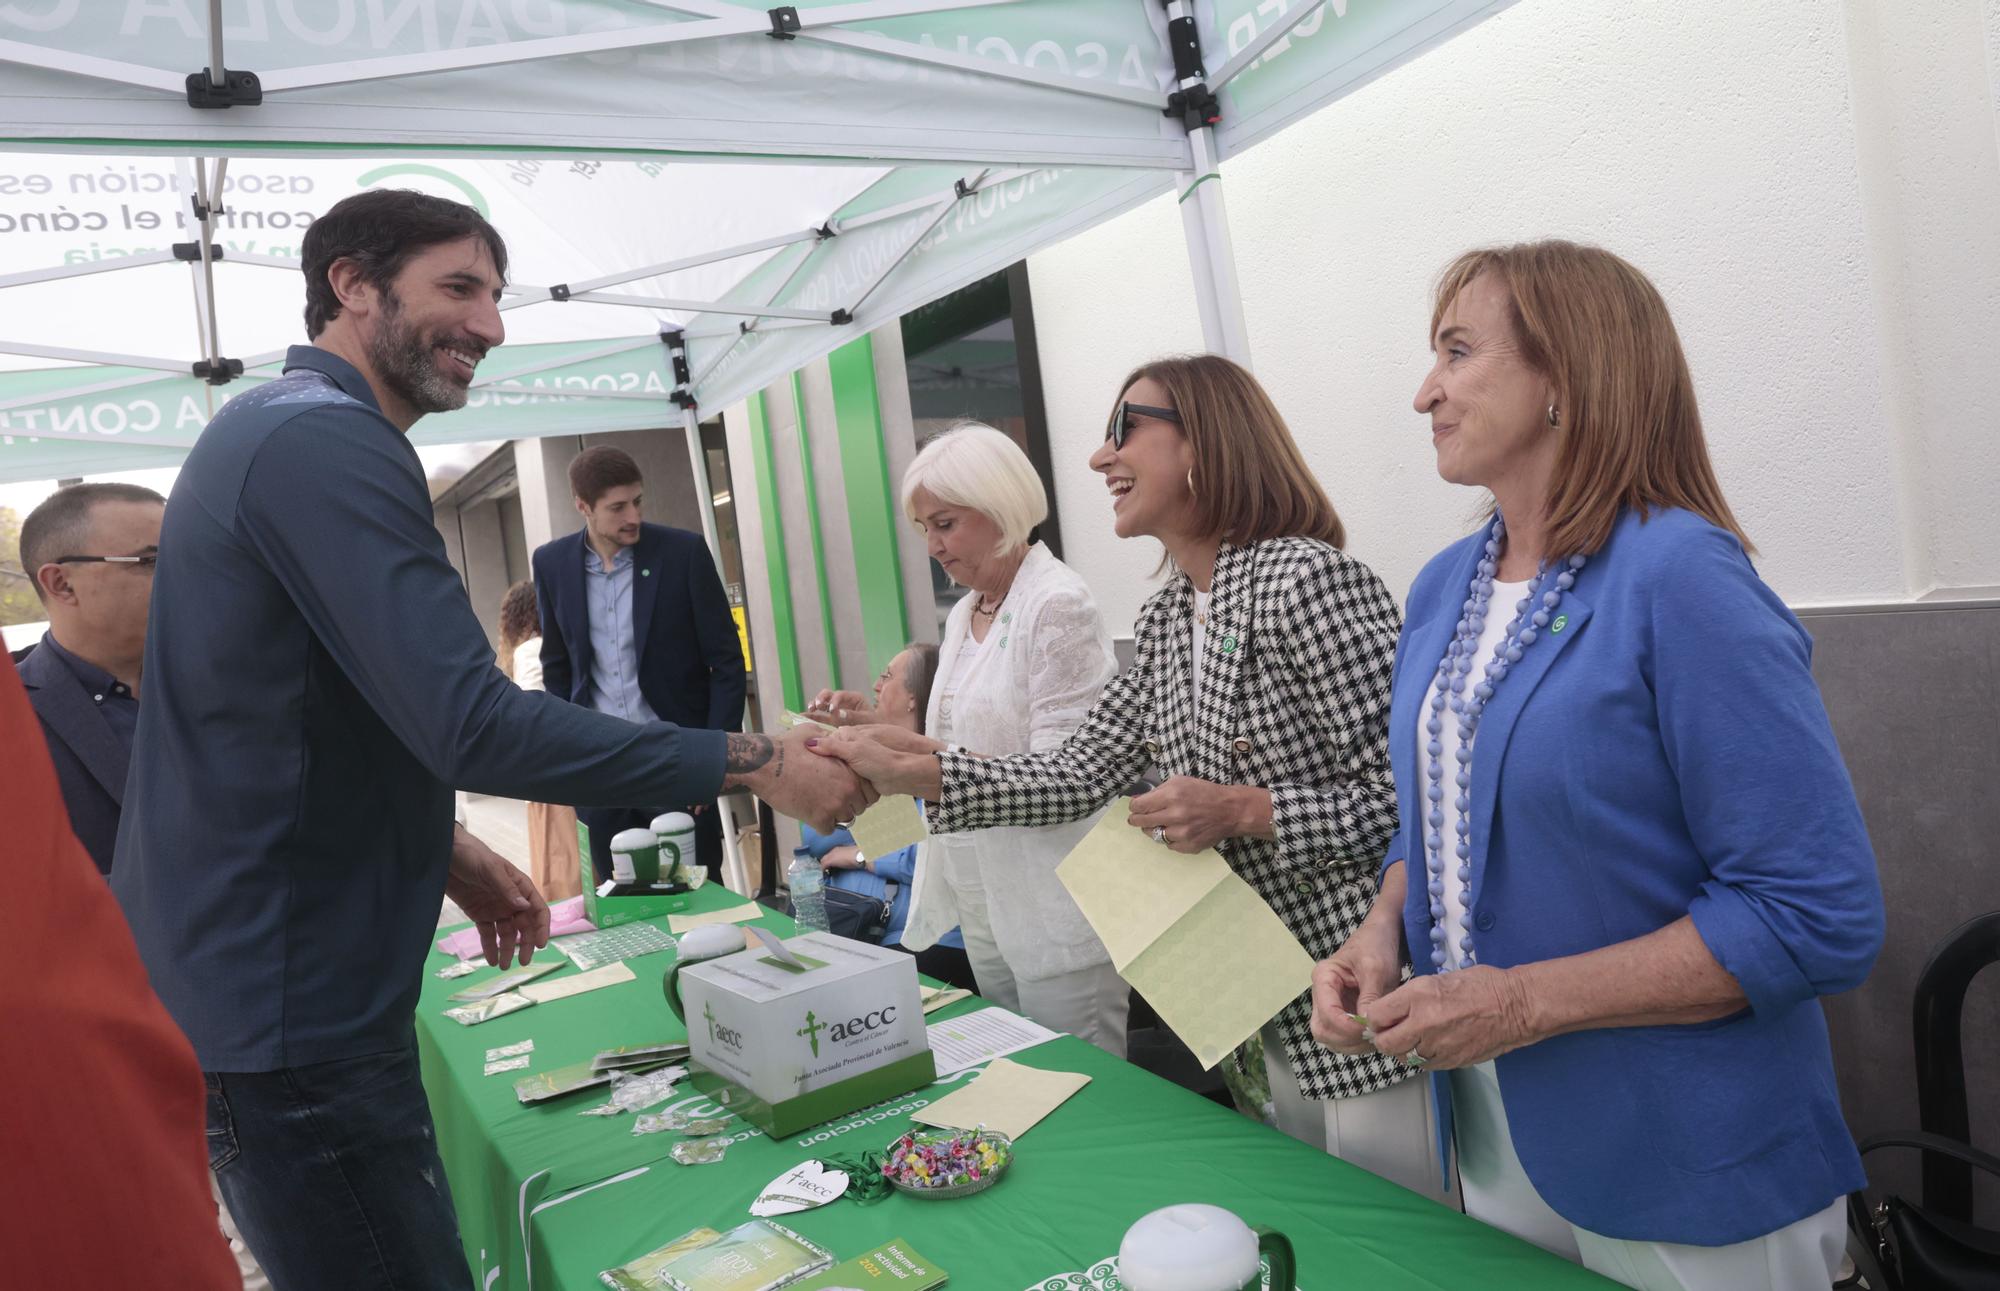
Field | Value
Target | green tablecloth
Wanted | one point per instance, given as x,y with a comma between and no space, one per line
547,1198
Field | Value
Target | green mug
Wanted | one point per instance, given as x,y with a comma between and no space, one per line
675,830
635,858
1194,1247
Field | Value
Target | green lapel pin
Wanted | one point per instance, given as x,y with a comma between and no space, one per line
1229,645
1562,621
645,573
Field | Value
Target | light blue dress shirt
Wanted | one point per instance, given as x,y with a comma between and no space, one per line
614,647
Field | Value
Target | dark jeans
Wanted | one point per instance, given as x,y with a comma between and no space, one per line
332,1174
606,823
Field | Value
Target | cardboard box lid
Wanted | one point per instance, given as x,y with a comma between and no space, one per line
758,975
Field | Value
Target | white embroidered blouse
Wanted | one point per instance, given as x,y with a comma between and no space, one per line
1044,661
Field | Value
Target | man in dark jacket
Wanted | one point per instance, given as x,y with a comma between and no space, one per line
90,549
635,624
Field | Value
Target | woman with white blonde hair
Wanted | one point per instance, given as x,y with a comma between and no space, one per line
1024,656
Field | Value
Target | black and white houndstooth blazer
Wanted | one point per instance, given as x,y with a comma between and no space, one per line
1296,658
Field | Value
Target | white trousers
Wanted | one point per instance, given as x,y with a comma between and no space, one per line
1090,1003
1802,1256
1391,1132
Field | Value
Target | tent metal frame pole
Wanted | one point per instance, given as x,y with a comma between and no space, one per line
908,51
908,248
111,265
179,367
216,65
208,213
987,180
702,306
784,285
602,352
715,22
137,75
1270,36
1205,228
692,262
566,393
262,261
75,392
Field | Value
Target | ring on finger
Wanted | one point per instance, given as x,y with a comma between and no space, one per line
1413,1058
1159,833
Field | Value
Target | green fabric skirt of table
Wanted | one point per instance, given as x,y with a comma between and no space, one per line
547,1198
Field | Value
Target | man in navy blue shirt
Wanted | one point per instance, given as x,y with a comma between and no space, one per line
90,549
316,685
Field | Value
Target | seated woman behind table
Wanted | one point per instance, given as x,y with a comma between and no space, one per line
1631,861
901,694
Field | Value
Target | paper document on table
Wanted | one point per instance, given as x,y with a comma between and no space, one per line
937,997
744,913
980,1037
893,823
561,988
1189,935
1006,1098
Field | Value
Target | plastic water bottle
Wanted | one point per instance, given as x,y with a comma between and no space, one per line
808,885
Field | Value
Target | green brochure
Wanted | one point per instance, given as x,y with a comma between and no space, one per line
892,1264
757,1256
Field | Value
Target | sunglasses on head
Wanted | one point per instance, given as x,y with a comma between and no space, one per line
1121,420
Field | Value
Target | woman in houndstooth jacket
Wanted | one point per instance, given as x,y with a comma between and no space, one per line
1260,687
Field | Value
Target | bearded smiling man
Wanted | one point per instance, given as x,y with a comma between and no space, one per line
316,686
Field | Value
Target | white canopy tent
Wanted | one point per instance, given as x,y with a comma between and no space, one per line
699,196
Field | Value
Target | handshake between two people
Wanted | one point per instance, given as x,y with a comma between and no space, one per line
828,777
1182,813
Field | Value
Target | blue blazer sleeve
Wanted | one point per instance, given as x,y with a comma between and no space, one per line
1793,907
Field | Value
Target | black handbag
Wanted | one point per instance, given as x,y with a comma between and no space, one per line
1918,1246
1919,1249
859,917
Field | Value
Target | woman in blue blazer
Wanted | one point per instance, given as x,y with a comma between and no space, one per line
1630,859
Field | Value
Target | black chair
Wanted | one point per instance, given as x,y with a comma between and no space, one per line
1912,1246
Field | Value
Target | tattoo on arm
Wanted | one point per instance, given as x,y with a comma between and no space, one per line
748,753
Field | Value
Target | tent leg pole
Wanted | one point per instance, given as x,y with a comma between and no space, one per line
732,839
1205,225
705,493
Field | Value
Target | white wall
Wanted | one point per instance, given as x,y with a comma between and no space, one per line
1811,184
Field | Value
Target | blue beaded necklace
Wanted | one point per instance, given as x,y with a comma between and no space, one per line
1453,671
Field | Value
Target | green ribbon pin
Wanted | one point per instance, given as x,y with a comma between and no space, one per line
1562,621
1229,645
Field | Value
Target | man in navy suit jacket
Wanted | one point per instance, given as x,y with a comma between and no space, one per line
635,624
90,549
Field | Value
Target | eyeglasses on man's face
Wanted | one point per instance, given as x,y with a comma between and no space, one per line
1121,420
144,563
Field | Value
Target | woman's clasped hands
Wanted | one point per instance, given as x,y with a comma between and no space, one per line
1439,1021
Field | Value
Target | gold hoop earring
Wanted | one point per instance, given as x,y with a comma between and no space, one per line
1553,419
1190,479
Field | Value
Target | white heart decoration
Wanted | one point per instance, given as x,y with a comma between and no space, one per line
800,1188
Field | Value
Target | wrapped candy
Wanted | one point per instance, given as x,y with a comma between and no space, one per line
947,1163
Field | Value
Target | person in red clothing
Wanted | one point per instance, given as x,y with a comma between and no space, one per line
104,1114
